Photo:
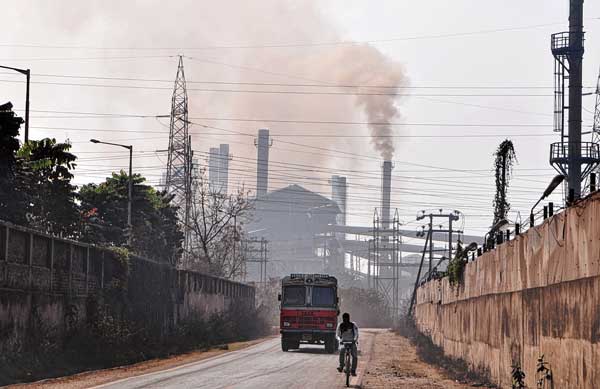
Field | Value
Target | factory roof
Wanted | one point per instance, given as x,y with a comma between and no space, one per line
298,197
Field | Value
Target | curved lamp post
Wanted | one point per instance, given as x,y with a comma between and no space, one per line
556,181
27,74
130,148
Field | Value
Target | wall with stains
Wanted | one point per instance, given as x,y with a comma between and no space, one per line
537,294
48,284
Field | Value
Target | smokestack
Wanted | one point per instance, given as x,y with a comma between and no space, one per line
223,167
262,162
213,169
338,194
386,189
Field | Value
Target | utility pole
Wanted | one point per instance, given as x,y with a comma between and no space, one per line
251,256
451,216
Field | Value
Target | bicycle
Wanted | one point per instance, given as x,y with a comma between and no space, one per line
347,360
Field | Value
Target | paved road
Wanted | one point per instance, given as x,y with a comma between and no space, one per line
261,366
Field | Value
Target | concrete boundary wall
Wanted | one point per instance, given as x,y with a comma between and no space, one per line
537,294
45,281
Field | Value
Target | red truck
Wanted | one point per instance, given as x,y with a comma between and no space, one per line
309,311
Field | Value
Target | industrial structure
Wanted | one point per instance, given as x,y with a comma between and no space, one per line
386,193
213,168
339,194
218,168
262,143
385,255
290,218
571,157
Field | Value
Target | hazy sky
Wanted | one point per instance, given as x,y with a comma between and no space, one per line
465,68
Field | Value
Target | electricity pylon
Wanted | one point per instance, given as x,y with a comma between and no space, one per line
179,165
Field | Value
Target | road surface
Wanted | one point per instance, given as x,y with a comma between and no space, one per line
261,366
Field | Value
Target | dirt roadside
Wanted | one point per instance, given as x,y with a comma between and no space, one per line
395,364
99,377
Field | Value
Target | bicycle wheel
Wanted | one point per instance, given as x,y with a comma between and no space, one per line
347,368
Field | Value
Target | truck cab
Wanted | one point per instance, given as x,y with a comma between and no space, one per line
308,311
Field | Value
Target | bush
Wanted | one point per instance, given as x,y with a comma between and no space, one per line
106,340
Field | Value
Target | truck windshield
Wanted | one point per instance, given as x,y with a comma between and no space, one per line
294,295
323,296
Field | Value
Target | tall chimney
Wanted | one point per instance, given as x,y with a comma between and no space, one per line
386,189
262,162
338,194
223,167
575,84
213,169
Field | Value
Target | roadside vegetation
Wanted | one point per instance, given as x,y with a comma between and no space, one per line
106,341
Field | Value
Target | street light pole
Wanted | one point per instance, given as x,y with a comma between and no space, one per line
556,181
130,189
27,73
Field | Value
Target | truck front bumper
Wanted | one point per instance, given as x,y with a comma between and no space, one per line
306,335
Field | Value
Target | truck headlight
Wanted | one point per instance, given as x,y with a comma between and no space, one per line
329,325
286,323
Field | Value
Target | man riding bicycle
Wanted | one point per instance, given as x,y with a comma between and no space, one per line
347,331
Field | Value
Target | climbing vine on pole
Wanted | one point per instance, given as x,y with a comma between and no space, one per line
503,164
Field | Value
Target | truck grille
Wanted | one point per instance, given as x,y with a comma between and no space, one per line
307,321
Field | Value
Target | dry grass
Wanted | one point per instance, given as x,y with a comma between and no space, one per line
396,364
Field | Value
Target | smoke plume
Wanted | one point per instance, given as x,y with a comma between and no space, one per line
346,64
202,31
367,66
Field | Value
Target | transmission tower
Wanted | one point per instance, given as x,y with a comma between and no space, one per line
179,165
596,125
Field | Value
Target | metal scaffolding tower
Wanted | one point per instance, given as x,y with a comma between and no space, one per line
179,165
383,268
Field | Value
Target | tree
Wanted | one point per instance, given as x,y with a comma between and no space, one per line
53,207
13,201
155,233
216,222
503,164
9,144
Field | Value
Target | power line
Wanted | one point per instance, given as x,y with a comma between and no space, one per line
305,85
286,92
296,44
